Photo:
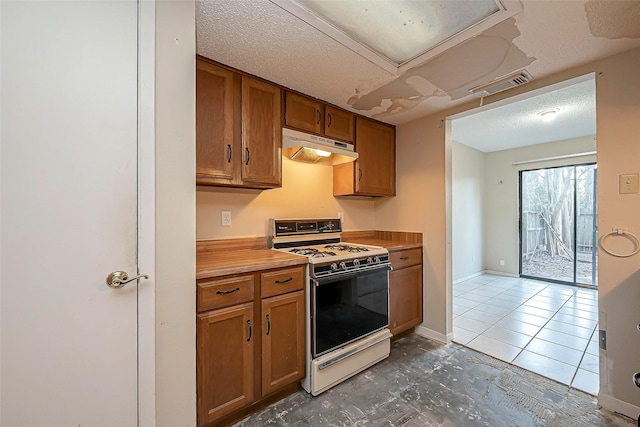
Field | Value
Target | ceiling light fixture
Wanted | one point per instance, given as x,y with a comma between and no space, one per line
548,115
401,34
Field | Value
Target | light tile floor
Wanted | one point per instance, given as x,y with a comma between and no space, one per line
546,328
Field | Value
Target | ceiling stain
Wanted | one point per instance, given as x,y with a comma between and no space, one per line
613,19
479,60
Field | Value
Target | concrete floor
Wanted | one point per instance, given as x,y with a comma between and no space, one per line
425,383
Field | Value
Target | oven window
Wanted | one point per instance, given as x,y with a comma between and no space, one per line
349,308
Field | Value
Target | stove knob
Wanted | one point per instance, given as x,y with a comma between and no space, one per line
356,262
343,266
369,260
334,266
376,259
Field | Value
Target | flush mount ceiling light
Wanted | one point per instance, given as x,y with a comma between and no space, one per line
401,34
548,115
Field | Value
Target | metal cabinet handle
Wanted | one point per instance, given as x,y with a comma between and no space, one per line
329,115
285,280
230,153
268,324
360,174
231,291
248,155
319,116
118,279
404,258
249,324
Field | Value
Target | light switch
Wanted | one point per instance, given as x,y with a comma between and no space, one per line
628,183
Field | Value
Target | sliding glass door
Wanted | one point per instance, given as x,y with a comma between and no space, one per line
558,224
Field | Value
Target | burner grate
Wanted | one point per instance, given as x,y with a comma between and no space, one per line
346,248
312,252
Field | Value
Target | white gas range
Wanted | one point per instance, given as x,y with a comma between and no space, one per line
347,299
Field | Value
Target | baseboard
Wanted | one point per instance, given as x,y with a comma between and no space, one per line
431,334
616,405
500,273
471,276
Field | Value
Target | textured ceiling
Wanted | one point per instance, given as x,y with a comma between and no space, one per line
517,124
259,37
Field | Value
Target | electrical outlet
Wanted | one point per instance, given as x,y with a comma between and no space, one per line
501,262
341,216
226,218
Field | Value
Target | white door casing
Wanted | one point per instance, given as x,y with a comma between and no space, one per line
70,178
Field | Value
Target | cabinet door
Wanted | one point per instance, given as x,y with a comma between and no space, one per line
405,298
304,113
261,133
375,167
217,129
339,124
283,339
224,361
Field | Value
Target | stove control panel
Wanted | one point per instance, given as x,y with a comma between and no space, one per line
288,227
327,269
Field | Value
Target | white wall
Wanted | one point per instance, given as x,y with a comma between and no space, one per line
618,125
175,214
501,214
306,192
467,210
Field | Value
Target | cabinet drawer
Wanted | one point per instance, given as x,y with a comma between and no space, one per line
223,292
281,281
405,258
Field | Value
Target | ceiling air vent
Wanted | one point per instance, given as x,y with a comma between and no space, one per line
502,84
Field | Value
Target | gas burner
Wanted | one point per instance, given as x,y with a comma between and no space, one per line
346,248
312,252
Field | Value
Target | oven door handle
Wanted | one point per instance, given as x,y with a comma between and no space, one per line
347,275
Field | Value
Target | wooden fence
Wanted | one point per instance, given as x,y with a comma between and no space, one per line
534,234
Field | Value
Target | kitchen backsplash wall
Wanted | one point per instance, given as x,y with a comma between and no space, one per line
307,191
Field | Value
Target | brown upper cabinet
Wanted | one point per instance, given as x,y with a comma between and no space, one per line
374,172
310,115
238,129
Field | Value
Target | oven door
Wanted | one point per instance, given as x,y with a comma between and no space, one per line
347,307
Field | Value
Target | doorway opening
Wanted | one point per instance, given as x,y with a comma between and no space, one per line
558,224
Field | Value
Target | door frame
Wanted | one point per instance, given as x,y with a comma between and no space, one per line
574,227
146,214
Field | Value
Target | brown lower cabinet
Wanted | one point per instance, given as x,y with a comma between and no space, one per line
250,340
405,290
225,361
283,330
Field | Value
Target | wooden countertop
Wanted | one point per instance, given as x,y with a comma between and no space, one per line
221,263
391,245
217,258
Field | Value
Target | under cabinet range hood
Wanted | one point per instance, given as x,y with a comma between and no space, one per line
309,148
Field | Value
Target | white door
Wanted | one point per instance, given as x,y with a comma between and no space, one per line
69,213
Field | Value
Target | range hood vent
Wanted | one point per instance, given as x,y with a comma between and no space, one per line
309,148
501,84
